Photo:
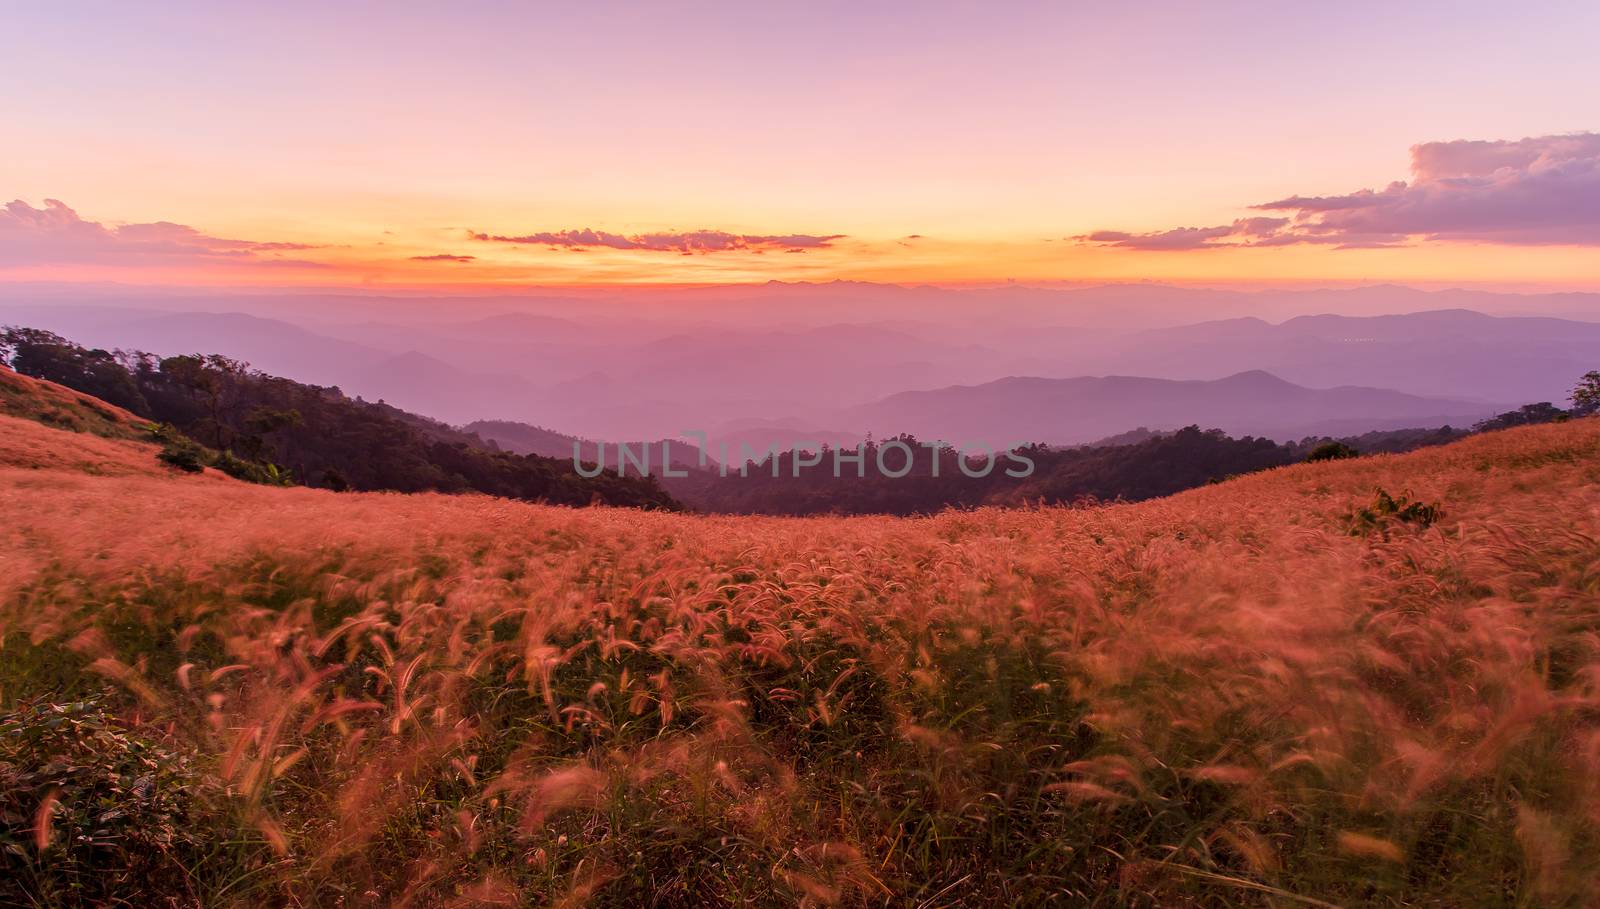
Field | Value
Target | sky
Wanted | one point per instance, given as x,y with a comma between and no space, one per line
407,144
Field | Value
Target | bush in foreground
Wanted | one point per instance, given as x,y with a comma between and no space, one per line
94,811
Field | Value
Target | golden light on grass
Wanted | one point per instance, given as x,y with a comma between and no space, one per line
1224,697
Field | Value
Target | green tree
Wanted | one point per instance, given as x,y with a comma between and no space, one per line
1526,415
211,380
261,422
1586,397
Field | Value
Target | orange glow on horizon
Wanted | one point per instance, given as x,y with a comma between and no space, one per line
411,264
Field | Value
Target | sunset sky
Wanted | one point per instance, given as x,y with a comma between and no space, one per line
404,144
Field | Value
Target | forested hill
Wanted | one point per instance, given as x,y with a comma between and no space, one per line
1156,464
321,436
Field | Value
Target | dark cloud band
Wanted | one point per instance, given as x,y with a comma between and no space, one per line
696,241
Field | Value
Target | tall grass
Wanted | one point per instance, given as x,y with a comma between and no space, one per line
1222,698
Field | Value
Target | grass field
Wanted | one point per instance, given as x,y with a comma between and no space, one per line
1274,691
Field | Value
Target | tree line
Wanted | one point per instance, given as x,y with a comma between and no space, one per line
279,428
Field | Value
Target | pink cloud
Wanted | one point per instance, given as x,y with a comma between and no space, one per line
1263,229
444,257
55,234
1538,191
689,242
1174,239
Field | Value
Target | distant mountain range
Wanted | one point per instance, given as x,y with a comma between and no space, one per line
1084,410
1079,410
1154,436
736,444
1450,353
830,362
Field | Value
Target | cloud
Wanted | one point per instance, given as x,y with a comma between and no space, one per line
444,257
1262,230
1538,191
687,242
1176,238
55,234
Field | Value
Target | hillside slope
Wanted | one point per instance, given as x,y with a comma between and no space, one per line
1275,690
319,435
65,408
31,445
45,426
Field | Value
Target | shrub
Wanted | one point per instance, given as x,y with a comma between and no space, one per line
333,478
1332,451
93,811
267,474
182,454
1386,511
